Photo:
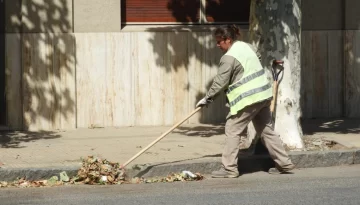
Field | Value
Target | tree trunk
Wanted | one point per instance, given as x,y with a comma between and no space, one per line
275,28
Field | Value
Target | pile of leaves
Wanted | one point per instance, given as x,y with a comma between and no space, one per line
23,183
97,171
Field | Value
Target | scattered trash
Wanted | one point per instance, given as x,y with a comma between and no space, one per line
188,173
54,180
184,176
64,177
104,179
97,171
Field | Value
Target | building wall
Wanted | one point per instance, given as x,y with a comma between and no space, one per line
330,59
322,15
79,70
97,16
69,64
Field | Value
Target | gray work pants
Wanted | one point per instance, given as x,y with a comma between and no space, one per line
236,135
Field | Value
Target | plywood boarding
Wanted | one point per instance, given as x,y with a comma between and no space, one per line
142,78
307,93
335,73
196,48
64,65
322,74
352,74
13,81
47,100
178,60
91,79
106,64
120,66
216,112
152,82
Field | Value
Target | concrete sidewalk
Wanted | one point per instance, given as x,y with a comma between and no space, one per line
21,149
200,145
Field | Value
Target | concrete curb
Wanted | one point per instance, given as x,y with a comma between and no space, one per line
11,174
204,166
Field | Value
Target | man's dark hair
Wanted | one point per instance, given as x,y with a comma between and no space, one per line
228,31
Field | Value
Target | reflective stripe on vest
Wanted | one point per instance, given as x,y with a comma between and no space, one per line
254,86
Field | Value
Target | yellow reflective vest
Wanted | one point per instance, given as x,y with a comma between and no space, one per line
253,86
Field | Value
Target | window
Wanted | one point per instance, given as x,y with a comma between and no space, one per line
185,11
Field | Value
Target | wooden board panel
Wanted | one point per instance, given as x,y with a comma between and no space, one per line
39,78
90,79
13,81
48,99
335,73
352,74
320,74
196,45
307,94
121,64
64,65
178,60
151,91
105,70
217,111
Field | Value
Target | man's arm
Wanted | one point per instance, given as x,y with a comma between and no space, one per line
222,79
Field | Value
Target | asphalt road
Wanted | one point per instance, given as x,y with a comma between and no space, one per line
335,185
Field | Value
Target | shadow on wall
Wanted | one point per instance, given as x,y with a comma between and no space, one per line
201,46
271,35
196,52
42,95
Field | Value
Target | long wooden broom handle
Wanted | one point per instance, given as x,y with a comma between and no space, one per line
159,138
273,101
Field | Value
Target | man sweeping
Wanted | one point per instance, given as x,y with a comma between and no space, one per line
249,94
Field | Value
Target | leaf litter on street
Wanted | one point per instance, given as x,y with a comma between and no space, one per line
97,171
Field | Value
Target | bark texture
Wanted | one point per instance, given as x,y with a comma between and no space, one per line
275,28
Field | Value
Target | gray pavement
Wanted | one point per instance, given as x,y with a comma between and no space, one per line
330,186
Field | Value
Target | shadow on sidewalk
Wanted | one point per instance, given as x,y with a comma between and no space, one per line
200,131
338,126
13,139
246,165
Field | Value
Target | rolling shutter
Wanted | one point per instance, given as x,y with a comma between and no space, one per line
184,11
160,11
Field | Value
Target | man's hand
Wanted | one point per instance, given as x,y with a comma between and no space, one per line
203,102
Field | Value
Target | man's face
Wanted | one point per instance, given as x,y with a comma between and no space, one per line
223,44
